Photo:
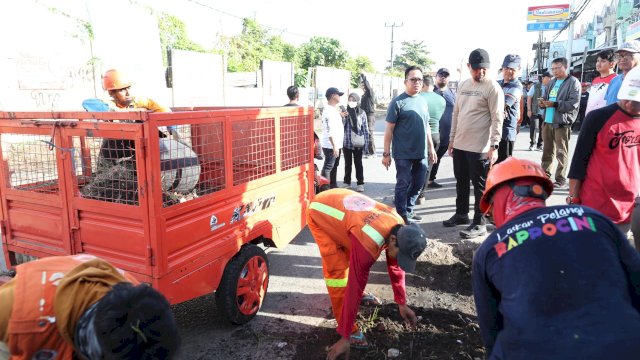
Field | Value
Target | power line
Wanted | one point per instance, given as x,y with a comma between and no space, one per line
574,17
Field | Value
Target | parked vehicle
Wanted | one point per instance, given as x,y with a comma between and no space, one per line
186,216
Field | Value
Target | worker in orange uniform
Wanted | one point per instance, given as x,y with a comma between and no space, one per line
118,84
82,307
351,231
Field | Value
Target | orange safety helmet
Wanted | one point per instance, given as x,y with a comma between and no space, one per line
511,169
115,80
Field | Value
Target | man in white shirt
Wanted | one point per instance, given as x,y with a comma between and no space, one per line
332,135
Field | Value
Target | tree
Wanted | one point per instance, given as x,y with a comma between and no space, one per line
319,51
412,53
357,66
173,34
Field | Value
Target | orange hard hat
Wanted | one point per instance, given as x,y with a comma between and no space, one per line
115,80
511,169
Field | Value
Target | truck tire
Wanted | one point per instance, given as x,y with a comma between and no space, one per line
244,284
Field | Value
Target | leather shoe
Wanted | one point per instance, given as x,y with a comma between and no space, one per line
434,185
457,219
473,231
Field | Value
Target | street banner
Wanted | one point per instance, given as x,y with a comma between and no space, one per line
548,12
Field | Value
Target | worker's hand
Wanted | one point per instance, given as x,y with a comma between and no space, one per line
450,148
386,161
408,315
343,346
433,157
547,103
492,156
529,113
336,153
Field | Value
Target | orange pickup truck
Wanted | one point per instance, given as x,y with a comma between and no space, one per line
188,215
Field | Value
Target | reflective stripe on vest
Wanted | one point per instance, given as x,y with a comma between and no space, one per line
325,209
373,234
336,282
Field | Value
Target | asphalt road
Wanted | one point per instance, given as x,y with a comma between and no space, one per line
297,300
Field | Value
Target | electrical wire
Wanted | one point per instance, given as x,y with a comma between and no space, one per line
583,5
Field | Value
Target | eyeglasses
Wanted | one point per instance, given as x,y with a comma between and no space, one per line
627,56
415,80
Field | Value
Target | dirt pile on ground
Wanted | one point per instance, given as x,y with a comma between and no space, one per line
441,297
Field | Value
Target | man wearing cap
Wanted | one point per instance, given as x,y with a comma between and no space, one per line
555,282
628,57
561,103
332,135
476,129
605,169
512,89
605,63
408,128
351,231
536,113
436,104
449,96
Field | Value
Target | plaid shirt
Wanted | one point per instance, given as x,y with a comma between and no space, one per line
364,130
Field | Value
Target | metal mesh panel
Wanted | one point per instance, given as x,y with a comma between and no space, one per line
295,143
253,149
207,142
31,162
179,167
105,169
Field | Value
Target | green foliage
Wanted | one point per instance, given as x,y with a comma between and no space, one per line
173,34
412,53
357,66
322,51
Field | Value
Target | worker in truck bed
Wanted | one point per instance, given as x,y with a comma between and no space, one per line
118,85
351,231
58,307
558,282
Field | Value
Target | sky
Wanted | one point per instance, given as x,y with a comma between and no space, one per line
450,29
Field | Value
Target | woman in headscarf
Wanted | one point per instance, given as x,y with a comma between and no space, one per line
356,139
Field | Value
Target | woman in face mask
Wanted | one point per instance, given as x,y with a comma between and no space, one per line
356,138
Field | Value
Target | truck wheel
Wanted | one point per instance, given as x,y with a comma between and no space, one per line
244,284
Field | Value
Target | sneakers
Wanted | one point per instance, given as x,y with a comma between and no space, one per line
560,184
473,231
345,186
360,188
457,219
539,148
531,148
411,218
421,200
434,185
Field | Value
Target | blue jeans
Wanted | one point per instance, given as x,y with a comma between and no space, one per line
410,177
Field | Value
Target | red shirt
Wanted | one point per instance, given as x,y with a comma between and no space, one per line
607,160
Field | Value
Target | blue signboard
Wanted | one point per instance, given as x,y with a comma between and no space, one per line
546,26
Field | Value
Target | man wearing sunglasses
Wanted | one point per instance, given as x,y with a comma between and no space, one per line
408,129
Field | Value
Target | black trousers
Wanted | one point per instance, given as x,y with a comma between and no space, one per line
440,150
470,167
505,150
356,155
535,126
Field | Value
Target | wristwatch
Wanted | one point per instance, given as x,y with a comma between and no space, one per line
495,146
572,200
385,154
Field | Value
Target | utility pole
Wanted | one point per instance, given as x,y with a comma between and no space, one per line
572,20
392,26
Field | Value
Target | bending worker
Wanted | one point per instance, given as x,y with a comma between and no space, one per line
556,282
351,231
82,307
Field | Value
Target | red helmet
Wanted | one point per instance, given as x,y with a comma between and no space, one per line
511,169
115,80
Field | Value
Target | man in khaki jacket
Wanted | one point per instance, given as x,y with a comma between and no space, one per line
476,129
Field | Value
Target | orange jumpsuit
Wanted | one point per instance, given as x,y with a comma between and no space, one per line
350,230
50,295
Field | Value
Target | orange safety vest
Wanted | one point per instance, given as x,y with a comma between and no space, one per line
340,211
33,329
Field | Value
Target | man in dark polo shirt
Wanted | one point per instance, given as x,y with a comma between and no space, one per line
442,77
512,89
